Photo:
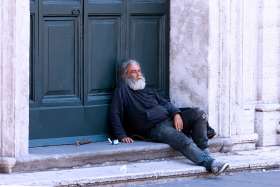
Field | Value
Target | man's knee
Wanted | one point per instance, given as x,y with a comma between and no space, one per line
202,115
191,116
199,114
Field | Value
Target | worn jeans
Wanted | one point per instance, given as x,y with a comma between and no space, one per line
195,126
190,141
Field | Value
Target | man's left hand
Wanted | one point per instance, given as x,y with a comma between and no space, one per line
178,122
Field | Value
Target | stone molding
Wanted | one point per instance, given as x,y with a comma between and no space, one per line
267,124
7,164
233,143
269,107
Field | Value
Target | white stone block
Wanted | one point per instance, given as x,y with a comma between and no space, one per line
266,126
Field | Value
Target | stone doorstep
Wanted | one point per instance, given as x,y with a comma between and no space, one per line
143,171
97,154
93,154
103,153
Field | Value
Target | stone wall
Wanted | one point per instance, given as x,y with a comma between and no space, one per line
14,87
224,58
189,34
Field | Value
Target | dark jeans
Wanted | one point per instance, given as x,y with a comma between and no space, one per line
190,141
195,126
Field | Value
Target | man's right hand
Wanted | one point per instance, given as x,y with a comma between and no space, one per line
127,140
178,122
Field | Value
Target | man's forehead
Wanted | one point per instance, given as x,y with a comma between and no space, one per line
134,67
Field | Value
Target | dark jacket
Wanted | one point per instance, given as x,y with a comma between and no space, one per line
135,112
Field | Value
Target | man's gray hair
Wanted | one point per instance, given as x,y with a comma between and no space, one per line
124,67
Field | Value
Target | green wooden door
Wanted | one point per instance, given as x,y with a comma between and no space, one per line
76,47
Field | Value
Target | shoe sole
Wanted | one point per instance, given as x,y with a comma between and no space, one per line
225,166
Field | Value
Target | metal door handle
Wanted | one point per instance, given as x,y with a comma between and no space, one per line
76,12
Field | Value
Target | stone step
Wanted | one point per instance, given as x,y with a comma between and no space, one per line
99,153
95,154
142,171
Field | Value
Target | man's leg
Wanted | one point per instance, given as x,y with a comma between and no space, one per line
195,124
166,133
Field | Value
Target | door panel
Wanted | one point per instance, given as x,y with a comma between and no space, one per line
54,121
144,42
60,7
148,6
60,56
105,7
57,110
102,48
104,21
104,35
60,60
148,40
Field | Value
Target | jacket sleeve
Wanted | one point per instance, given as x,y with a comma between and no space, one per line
172,110
116,116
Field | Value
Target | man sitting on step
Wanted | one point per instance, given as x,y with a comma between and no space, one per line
137,110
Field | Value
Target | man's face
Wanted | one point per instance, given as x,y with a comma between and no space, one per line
134,71
134,78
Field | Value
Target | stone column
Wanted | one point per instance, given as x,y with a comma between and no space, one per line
268,88
14,78
231,82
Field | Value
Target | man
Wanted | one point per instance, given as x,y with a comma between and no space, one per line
137,110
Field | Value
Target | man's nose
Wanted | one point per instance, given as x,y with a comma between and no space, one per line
139,74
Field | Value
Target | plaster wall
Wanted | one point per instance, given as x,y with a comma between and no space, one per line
189,36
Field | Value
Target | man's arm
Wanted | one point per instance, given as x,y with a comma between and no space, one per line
116,118
173,111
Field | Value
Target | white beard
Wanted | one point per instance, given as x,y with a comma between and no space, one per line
136,84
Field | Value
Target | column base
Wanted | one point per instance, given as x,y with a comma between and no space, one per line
7,164
268,124
234,143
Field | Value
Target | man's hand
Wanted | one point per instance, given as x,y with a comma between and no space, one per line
178,122
127,140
